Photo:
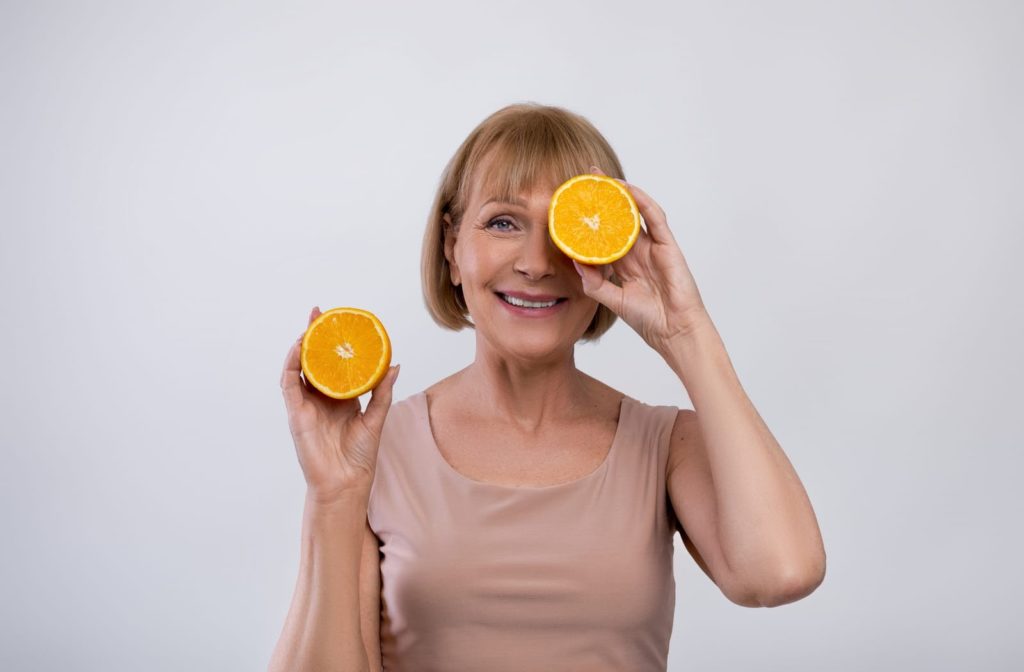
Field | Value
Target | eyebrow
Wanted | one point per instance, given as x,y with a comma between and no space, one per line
516,201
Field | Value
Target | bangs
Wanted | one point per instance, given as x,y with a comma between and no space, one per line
540,153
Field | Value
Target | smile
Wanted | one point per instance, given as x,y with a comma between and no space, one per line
530,308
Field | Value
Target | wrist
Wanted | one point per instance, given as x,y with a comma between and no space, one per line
338,502
696,326
699,342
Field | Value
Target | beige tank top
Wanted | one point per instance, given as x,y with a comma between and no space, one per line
481,576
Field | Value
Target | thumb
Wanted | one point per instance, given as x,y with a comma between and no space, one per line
595,285
380,400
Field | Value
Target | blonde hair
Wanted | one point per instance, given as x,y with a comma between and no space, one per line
528,142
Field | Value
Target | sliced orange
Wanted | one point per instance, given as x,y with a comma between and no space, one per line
345,352
593,219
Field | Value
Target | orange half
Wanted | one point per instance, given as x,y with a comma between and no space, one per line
593,219
345,352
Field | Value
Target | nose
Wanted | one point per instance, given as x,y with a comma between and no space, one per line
538,255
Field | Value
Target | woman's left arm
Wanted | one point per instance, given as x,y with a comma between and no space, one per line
737,496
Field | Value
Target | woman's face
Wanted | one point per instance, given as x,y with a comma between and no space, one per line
503,250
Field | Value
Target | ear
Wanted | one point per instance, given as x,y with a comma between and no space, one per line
450,234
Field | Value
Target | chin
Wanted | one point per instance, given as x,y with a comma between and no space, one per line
538,349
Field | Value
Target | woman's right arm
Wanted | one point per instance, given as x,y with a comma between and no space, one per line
337,447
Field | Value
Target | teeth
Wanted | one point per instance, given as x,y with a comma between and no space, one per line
527,304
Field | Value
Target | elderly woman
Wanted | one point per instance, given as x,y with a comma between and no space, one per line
519,514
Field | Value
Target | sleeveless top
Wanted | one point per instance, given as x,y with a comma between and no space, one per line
482,576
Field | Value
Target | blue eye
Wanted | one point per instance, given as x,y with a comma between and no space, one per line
499,220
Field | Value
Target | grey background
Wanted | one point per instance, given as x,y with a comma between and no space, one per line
181,182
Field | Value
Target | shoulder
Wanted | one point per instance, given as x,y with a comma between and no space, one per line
404,403
659,424
662,414
445,396
401,413
445,385
675,426
605,396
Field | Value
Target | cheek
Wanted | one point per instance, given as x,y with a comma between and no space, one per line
469,267
478,264
592,307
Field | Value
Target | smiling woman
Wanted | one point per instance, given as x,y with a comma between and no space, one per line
513,151
519,513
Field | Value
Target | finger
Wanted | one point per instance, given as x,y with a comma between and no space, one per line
596,284
654,217
308,385
293,381
380,400
652,213
292,384
313,314
631,266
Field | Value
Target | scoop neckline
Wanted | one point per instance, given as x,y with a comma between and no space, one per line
436,450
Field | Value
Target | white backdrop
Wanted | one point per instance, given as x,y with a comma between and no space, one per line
180,182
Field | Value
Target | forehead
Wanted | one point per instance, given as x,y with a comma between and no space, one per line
508,180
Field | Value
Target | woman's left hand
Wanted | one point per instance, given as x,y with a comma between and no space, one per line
658,297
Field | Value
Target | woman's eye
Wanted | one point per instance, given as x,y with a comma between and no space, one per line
494,223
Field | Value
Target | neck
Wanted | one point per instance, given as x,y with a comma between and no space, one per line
528,394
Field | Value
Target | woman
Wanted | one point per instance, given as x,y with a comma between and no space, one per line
519,514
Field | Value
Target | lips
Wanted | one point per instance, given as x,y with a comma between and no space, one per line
530,297
557,307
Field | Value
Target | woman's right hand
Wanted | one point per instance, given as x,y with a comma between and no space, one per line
336,443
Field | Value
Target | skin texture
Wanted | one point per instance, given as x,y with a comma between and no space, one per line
745,515
336,444
524,374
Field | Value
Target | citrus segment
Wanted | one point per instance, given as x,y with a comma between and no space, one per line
593,219
345,352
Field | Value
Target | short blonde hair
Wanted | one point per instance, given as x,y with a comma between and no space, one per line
529,142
